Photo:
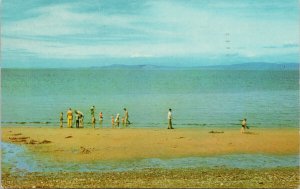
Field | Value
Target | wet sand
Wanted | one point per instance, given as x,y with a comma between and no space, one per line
87,144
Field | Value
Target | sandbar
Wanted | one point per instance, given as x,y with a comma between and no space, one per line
89,144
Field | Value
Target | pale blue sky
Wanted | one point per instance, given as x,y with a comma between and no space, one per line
70,33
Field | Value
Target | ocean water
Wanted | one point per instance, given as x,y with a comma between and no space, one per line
198,98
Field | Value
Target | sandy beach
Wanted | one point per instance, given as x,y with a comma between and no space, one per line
87,144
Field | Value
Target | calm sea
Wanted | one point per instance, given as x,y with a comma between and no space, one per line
199,98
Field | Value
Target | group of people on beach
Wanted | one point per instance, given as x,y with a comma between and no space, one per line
115,122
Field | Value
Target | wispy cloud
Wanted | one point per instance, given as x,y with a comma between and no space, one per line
84,30
287,45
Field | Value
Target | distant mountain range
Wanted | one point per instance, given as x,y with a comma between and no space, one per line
245,66
142,66
257,66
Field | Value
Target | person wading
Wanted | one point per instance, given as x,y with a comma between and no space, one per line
126,117
170,119
70,117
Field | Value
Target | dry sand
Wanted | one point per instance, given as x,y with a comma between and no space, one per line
88,144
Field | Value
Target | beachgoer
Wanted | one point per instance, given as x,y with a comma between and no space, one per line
100,119
80,117
70,117
112,121
244,125
170,119
126,117
117,120
77,119
61,119
92,111
123,121
93,121
93,115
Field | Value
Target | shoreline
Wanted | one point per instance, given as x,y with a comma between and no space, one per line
141,125
164,127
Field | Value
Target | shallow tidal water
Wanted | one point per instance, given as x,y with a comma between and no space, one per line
18,159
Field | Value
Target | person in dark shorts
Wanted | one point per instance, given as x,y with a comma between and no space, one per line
61,119
77,119
244,125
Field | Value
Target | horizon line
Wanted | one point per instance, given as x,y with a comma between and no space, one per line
256,64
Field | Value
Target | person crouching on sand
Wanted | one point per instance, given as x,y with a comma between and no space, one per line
70,117
244,125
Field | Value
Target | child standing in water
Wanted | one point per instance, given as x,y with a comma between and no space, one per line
117,120
61,119
123,121
100,119
81,116
79,119
93,121
93,116
112,121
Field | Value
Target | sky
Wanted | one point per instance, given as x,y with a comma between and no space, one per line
85,33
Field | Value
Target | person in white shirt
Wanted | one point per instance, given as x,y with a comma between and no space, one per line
170,119
79,119
126,117
117,120
81,116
